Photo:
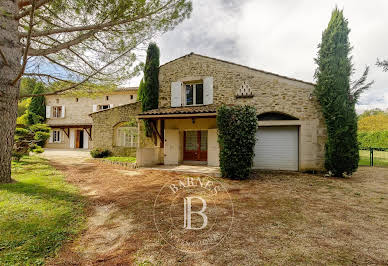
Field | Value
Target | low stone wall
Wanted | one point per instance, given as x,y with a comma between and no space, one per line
124,164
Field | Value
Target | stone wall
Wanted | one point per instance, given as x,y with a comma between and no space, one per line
105,122
271,93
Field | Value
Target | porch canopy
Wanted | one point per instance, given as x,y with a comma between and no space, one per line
186,112
66,128
180,112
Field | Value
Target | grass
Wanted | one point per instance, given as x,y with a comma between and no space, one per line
38,213
122,159
380,158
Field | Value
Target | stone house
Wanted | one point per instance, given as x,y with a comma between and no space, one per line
68,116
291,133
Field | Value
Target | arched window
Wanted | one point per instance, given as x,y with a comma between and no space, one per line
126,135
275,116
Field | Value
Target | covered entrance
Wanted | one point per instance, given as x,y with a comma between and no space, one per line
195,145
182,136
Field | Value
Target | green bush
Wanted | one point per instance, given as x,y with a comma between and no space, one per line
100,153
378,139
38,149
237,128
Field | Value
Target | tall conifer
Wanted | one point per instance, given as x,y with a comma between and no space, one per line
336,98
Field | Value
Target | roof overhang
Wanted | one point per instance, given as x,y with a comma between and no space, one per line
70,126
177,116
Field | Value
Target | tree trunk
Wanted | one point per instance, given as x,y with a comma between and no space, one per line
10,65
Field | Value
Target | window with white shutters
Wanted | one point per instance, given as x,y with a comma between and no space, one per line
126,137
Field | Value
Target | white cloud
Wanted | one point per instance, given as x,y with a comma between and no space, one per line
282,37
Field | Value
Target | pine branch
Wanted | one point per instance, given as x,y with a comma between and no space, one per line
31,25
383,64
81,82
358,87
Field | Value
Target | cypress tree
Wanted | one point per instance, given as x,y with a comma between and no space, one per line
334,94
37,107
150,92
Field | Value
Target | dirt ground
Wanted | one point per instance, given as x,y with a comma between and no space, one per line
279,218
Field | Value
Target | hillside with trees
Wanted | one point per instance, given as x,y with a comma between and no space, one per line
373,129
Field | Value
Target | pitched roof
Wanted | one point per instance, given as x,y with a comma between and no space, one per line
126,89
232,63
203,109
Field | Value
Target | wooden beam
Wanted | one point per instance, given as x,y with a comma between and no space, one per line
178,116
66,133
156,129
89,133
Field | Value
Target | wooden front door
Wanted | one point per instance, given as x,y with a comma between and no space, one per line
79,139
195,146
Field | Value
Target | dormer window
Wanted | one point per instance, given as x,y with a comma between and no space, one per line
194,94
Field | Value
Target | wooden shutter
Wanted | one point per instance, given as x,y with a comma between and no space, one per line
63,111
176,94
94,108
72,138
208,90
51,137
111,105
48,111
86,139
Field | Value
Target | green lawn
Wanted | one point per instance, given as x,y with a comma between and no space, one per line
38,213
122,159
380,158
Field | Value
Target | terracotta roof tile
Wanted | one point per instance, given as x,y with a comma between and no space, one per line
203,109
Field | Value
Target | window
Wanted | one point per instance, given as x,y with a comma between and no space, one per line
56,136
194,94
103,107
57,111
126,136
131,97
107,98
76,100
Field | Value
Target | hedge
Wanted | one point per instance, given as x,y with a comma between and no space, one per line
237,126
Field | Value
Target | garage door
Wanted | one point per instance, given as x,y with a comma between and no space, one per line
276,148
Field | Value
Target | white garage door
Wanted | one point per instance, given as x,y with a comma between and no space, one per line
276,148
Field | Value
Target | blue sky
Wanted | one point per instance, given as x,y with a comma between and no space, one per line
282,36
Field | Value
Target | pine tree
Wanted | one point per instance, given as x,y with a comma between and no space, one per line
336,97
150,92
37,107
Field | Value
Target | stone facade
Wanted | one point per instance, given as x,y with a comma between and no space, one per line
77,112
271,93
105,123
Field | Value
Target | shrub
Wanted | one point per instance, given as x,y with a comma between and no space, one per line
30,138
100,153
237,128
38,149
16,156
